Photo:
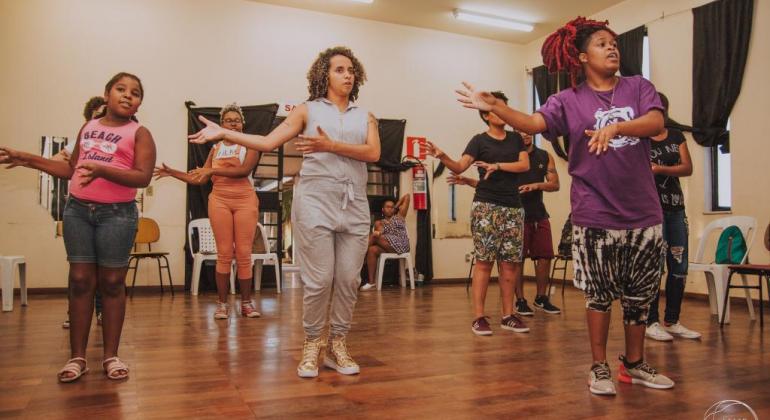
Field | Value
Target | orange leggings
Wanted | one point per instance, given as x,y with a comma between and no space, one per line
234,222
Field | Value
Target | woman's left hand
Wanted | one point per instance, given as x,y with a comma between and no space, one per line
315,144
89,171
655,168
487,167
201,174
600,139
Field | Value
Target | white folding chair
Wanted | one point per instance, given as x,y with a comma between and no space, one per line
266,258
404,259
207,250
8,266
716,274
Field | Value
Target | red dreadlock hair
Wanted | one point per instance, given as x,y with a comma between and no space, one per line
561,49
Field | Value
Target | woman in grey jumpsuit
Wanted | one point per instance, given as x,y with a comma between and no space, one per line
330,212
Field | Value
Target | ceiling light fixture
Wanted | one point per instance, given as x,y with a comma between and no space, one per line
491,20
363,1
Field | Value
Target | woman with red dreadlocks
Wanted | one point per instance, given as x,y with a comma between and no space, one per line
618,240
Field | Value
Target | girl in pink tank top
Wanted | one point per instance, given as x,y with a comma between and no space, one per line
232,209
113,156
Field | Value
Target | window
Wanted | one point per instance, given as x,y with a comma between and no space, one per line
719,181
646,58
452,203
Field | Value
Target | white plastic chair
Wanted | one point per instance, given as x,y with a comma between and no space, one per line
207,250
716,274
8,266
267,258
403,259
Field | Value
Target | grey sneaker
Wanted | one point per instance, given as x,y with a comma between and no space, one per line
680,330
656,332
308,366
643,374
600,380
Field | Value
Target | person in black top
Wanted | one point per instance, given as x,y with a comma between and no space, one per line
538,244
496,216
670,161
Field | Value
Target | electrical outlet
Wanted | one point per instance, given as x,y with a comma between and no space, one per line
149,190
467,257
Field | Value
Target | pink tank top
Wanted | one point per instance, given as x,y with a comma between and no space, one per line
108,146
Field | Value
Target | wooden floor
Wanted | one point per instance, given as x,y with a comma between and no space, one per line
418,358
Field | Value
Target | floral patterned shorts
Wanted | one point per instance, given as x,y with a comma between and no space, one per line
498,232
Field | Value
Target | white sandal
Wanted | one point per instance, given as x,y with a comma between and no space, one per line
112,366
73,368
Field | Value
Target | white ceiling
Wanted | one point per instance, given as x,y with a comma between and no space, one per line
547,15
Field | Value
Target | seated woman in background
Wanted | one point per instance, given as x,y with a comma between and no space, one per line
389,236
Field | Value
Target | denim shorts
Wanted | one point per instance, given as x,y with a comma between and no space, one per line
101,234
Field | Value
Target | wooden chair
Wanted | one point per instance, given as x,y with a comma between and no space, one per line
148,232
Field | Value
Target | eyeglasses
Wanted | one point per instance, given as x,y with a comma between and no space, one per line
232,121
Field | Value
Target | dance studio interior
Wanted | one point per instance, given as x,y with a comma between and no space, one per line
418,209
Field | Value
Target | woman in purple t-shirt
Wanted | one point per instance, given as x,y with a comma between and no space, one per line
618,241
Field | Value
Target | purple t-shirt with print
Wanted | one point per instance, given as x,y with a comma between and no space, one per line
615,190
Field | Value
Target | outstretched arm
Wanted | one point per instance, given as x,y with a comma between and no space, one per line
484,101
456,166
164,171
287,130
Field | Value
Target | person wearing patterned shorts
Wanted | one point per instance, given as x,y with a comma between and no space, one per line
496,217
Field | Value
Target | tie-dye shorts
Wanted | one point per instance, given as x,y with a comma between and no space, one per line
625,264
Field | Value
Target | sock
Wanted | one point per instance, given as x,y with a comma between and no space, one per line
630,365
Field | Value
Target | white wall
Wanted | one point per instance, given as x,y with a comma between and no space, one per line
57,54
669,24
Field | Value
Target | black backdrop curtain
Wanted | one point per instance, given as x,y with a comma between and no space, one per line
631,46
391,144
546,85
721,34
259,120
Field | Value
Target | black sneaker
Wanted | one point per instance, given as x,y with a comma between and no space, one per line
522,308
544,304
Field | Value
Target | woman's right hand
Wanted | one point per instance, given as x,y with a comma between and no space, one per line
211,132
161,171
12,157
470,98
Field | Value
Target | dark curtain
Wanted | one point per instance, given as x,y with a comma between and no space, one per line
259,120
423,254
721,34
631,46
546,85
391,144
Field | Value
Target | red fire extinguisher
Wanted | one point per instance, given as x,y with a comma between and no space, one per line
419,188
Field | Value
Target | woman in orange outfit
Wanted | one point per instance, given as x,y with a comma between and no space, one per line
233,209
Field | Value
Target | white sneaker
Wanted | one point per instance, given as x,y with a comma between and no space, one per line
680,330
368,286
656,332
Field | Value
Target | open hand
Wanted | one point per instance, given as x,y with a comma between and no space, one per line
161,171
470,98
315,144
12,157
211,132
455,179
528,188
433,150
600,139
